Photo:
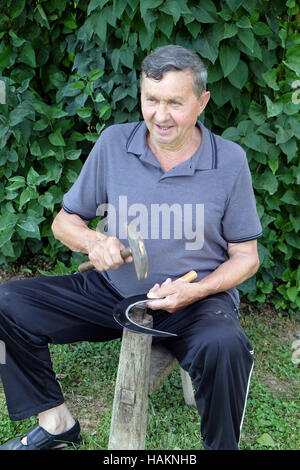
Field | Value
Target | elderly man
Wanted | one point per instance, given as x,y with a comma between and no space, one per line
202,185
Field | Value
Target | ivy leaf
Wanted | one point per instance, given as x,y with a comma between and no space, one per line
84,112
149,4
239,76
27,55
293,59
257,113
290,197
234,4
16,8
273,109
56,138
229,58
270,77
172,8
115,59
292,293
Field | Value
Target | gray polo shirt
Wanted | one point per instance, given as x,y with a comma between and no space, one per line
186,215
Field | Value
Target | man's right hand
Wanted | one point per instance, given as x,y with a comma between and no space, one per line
105,253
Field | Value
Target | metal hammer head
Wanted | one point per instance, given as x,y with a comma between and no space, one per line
137,251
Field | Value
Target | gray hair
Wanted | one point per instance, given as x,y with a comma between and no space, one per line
167,58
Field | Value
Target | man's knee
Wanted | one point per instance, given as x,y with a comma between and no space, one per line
228,347
9,295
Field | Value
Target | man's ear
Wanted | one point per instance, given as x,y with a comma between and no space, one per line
203,100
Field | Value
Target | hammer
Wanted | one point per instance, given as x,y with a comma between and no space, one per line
136,249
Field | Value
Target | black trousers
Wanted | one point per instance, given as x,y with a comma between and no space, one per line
211,346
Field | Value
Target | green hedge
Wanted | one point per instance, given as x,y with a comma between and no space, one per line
71,68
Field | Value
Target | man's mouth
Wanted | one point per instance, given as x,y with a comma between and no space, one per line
163,128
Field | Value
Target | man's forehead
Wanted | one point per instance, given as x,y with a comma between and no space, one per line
173,83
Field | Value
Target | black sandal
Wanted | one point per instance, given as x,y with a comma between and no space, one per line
39,439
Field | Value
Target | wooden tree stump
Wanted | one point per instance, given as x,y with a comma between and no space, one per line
129,416
142,368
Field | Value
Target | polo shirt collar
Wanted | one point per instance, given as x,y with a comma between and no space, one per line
203,159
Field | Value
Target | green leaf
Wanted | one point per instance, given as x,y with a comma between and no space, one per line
5,236
21,112
172,7
257,113
273,109
229,58
46,200
126,56
239,76
270,77
268,182
56,138
266,440
16,8
206,46
244,22
118,7
99,98
70,21
293,59
27,55
149,4
292,293
84,112
73,154
234,4
290,197
95,74
283,135
247,38
203,15
33,178
115,59
100,25
95,4
230,30
232,133
27,195
289,148
16,185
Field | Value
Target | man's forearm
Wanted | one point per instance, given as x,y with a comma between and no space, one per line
74,232
229,274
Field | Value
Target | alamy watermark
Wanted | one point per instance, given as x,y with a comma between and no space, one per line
156,221
2,353
2,92
296,94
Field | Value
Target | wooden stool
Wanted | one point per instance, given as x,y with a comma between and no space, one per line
142,368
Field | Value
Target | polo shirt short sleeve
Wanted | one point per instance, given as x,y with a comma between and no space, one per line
240,222
88,191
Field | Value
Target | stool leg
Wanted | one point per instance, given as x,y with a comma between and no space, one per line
129,416
187,386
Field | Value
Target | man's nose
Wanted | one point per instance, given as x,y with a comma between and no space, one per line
162,112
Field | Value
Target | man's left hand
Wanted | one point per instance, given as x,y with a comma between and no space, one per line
173,294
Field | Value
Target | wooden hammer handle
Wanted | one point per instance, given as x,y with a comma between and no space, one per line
87,266
190,276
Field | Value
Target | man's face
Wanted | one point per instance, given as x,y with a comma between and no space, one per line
170,109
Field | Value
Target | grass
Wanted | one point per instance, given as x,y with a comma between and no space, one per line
88,373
